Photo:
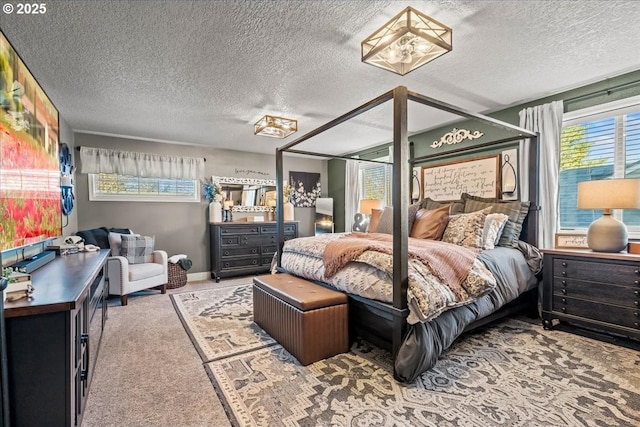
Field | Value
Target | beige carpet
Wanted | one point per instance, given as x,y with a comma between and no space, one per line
148,373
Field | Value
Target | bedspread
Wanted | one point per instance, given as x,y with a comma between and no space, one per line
370,275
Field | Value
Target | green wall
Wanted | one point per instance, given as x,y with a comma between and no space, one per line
608,90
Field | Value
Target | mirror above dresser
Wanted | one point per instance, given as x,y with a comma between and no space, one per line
248,194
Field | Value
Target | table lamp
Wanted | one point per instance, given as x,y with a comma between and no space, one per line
361,219
607,234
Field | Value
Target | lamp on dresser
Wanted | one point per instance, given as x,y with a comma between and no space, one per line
607,234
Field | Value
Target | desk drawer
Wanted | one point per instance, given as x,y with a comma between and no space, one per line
271,229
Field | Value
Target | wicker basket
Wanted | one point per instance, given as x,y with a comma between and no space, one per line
177,276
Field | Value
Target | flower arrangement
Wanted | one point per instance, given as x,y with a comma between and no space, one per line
287,192
211,190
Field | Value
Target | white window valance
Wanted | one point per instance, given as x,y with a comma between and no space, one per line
104,160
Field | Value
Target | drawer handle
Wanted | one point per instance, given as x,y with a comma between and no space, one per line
254,250
254,262
229,241
226,264
636,314
226,252
636,292
564,282
564,300
564,291
564,273
564,264
564,309
636,282
637,303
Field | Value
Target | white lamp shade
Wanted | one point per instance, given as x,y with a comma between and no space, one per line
368,205
609,194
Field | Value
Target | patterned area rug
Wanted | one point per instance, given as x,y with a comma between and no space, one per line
220,321
512,373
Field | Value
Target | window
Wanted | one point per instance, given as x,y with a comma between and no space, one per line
598,143
109,187
375,181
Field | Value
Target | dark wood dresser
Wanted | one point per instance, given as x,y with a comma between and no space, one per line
242,248
595,290
53,340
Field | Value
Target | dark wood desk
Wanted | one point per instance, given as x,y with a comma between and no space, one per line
53,340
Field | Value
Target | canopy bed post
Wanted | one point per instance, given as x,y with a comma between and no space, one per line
279,204
400,197
533,230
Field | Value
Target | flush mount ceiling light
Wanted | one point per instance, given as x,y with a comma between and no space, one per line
410,39
275,127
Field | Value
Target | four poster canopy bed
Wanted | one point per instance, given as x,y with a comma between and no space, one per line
416,295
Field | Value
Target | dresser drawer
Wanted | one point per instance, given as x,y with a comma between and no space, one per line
240,229
620,274
594,291
271,229
234,252
230,241
627,317
240,262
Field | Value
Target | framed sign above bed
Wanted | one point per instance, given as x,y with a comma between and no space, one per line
447,181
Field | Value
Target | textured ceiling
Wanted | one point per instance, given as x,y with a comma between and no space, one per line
203,72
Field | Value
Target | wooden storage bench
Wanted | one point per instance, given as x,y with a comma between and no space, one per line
307,319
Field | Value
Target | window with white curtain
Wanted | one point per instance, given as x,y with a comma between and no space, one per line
375,181
598,143
113,187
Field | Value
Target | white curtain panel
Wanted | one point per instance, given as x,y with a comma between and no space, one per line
351,192
547,121
103,160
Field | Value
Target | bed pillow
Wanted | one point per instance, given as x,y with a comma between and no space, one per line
466,229
430,224
375,219
457,206
137,249
492,231
516,210
385,225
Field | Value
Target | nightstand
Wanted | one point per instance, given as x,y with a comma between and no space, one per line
595,290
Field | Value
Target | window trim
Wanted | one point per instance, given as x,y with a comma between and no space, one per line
94,197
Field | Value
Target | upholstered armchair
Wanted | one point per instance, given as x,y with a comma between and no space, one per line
136,271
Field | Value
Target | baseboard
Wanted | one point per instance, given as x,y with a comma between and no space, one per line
195,277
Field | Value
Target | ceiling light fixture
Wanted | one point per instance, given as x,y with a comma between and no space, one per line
409,40
275,127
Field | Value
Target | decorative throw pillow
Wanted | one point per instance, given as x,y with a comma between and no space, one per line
374,220
385,224
516,210
492,230
137,249
466,229
430,224
457,206
115,239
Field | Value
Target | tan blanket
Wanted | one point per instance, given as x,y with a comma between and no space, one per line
449,263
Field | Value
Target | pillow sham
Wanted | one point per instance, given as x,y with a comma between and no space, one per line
516,210
466,229
493,225
457,206
385,225
137,249
374,220
430,224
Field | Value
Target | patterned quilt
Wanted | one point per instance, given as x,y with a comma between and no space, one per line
370,275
